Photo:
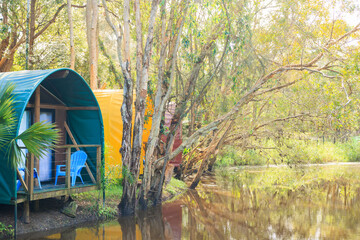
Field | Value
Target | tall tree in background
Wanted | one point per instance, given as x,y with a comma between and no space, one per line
13,27
71,37
92,31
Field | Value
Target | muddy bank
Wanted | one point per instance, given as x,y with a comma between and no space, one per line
47,217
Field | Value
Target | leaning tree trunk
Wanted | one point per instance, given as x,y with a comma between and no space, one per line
214,145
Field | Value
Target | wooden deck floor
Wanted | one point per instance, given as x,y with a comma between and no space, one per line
50,190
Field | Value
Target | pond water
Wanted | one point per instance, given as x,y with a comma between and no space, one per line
248,203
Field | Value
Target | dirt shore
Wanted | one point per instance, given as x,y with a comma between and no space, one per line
46,218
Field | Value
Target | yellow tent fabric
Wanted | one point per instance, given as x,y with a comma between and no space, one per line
110,102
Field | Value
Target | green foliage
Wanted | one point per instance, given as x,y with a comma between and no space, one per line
297,152
232,157
113,193
186,151
229,157
282,180
6,232
352,150
7,113
107,212
113,173
103,213
292,152
126,173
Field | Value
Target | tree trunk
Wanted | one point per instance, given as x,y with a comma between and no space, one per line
213,160
156,118
71,26
214,145
192,119
128,199
153,178
92,15
142,66
32,33
140,100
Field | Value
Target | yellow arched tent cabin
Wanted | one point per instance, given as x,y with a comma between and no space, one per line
110,102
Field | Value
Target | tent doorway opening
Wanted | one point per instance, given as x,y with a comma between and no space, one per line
46,162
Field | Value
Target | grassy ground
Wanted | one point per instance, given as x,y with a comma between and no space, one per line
173,189
92,201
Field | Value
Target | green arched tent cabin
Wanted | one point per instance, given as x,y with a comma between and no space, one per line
63,97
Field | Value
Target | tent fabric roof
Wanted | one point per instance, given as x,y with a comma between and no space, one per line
73,91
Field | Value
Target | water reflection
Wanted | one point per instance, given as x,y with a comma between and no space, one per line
253,204
146,225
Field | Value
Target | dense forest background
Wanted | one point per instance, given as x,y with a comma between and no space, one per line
279,78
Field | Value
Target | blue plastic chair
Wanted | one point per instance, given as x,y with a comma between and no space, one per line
77,162
36,175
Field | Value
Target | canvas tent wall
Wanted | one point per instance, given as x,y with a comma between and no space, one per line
83,114
110,102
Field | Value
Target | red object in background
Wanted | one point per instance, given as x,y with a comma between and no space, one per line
169,112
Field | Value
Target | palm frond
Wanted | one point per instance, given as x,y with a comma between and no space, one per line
37,139
7,114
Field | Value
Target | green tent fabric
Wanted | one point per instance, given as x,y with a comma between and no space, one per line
73,91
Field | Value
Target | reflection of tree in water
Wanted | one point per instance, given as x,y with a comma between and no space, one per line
151,224
128,227
326,209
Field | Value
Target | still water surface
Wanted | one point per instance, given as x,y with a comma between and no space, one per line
248,203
